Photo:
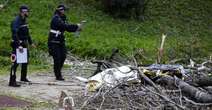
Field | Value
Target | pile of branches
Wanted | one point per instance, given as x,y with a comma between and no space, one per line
161,87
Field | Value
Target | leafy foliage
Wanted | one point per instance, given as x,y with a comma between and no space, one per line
186,23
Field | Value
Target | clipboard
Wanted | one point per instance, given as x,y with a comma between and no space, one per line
21,57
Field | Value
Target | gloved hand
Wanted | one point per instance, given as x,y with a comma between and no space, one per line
20,48
81,24
79,27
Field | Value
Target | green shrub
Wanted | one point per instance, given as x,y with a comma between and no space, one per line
4,61
125,8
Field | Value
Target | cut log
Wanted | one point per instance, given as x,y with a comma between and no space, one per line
188,90
204,81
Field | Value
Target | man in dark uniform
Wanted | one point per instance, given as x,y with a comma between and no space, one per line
20,40
56,40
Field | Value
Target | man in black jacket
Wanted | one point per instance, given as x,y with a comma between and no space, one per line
56,40
20,40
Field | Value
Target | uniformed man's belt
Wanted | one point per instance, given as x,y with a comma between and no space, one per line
55,32
57,42
24,26
20,41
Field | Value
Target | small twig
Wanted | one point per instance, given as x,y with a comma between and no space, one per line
135,61
91,97
171,91
154,85
179,90
103,100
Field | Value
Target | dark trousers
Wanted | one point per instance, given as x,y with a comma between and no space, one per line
13,72
14,68
58,51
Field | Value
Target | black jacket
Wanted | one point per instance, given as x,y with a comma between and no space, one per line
20,32
59,24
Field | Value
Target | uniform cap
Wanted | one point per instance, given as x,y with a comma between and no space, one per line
61,7
23,8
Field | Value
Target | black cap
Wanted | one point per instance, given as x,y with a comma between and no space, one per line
23,8
61,7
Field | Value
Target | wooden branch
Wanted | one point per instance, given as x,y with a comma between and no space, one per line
148,80
160,51
45,83
159,93
166,99
94,96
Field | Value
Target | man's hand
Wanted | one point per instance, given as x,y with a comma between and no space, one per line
20,48
79,27
81,24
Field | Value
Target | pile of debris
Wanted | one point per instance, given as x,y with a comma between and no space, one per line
118,85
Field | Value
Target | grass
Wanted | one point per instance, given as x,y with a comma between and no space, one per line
186,23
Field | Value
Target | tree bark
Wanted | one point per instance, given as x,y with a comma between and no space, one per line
188,90
204,81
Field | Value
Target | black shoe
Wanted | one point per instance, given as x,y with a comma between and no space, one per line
60,79
14,85
25,80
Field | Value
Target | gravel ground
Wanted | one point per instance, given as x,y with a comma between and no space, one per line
44,87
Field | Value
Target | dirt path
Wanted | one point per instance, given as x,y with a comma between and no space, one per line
45,88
